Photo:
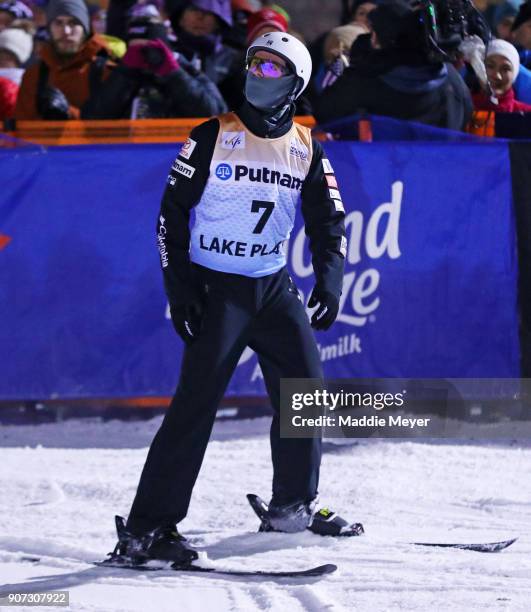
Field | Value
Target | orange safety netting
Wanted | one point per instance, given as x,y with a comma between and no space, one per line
121,131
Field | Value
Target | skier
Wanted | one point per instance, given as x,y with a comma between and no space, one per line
244,174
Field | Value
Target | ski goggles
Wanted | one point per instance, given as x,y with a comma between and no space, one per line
267,68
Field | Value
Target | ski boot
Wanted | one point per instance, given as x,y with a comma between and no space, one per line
300,516
162,544
328,523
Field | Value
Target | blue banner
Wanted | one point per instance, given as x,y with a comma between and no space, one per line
430,287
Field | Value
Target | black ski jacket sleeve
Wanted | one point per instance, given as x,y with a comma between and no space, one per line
185,185
324,220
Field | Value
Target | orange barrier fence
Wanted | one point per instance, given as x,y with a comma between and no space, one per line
121,131
125,131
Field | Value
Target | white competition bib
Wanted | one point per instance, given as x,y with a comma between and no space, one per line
248,207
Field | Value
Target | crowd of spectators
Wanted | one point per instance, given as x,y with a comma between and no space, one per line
66,59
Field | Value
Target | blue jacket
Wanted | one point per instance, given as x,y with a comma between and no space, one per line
522,85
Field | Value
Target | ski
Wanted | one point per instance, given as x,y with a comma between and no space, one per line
260,508
152,566
155,566
490,547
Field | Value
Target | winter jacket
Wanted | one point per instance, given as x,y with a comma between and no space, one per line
222,64
8,98
522,85
73,77
399,85
185,92
506,103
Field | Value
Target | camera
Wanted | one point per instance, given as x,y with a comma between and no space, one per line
153,56
445,23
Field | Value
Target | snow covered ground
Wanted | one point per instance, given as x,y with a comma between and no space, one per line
61,484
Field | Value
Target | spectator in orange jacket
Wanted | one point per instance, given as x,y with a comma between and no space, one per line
72,66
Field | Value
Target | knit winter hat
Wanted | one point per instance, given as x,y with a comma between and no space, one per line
71,8
524,14
261,19
16,8
342,36
18,42
505,49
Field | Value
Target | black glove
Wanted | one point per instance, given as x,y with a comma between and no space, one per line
187,318
327,311
52,104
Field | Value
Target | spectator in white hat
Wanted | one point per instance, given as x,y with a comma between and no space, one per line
502,64
15,50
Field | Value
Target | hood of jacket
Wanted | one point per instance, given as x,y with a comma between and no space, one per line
220,8
416,79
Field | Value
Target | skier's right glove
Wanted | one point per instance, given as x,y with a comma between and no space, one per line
328,308
187,318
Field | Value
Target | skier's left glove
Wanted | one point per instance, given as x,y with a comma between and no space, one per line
187,320
328,308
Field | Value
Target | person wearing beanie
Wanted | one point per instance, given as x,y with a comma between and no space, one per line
336,51
266,20
390,75
72,67
502,63
15,50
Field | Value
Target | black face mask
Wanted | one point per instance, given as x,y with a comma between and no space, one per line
269,94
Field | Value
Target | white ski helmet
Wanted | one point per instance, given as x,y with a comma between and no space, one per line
289,48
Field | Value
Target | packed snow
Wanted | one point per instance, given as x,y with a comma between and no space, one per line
62,483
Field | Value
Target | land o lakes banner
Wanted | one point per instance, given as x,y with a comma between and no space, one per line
430,288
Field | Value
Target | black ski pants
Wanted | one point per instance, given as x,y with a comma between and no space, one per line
267,315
